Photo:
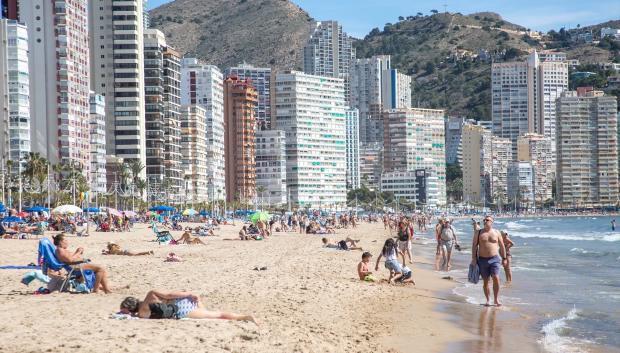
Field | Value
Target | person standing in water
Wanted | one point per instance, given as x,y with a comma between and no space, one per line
487,246
613,225
508,244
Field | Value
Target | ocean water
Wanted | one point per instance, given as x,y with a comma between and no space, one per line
566,279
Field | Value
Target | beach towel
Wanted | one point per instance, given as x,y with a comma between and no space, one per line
474,273
19,267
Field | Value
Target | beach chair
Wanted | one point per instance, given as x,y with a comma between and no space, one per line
163,236
48,260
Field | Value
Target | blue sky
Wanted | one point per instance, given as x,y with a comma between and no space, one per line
359,16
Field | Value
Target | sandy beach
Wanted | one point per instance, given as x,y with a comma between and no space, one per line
308,300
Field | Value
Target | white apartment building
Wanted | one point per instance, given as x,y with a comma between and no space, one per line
396,90
353,149
194,151
117,58
523,95
58,46
262,78
329,52
501,150
521,184
98,178
415,186
415,139
271,167
14,93
536,148
587,150
203,85
162,117
311,110
371,165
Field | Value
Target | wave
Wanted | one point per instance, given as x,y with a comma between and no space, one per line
514,225
608,237
553,340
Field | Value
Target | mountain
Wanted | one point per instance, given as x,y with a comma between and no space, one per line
444,53
229,32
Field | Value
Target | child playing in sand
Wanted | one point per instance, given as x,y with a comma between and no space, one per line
362,268
390,252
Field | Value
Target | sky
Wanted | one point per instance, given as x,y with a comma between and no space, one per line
358,17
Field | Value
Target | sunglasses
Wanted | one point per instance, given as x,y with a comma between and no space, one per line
488,220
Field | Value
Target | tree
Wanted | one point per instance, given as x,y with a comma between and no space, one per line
429,68
401,18
434,12
136,168
420,14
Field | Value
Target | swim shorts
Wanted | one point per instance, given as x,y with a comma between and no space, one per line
489,266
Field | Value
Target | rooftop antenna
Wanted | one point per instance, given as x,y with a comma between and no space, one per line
445,8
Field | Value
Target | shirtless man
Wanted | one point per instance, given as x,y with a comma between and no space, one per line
487,246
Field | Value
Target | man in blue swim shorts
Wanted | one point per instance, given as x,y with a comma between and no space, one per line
487,247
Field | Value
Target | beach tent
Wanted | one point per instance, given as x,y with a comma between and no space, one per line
37,209
66,209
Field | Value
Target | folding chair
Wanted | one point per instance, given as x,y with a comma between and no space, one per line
48,260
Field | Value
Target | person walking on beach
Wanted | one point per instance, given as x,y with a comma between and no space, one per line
487,246
508,244
448,240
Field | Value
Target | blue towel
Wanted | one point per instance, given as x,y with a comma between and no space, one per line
19,267
474,273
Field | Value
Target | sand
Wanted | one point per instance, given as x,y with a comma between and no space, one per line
308,300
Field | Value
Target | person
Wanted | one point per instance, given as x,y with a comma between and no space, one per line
487,246
407,276
186,238
390,252
448,240
508,244
347,244
160,304
64,255
438,228
362,268
404,239
613,225
115,249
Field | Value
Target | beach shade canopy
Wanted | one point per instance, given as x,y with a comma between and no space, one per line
92,210
37,209
162,208
260,216
66,209
11,219
190,212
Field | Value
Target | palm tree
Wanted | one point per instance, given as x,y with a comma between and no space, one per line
141,186
136,168
261,189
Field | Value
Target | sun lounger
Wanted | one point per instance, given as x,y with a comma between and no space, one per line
48,260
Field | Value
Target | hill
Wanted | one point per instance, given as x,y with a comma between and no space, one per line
449,55
228,32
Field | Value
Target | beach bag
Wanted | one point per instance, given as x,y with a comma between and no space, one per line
474,273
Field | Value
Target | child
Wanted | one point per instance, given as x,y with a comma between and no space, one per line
407,276
390,252
362,268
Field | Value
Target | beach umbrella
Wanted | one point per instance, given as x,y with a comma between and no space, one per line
162,208
111,211
190,212
22,214
12,219
92,210
37,209
2,208
260,216
204,213
150,213
130,213
176,216
66,209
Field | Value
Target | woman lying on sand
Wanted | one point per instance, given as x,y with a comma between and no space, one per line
114,249
175,305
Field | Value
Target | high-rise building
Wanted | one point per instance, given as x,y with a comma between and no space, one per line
9,9
353,149
14,93
203,85
311,110
477,163
371,165
261,78
271,167
523,95
98,182
454,131
240,99
501,149
329,52
146,18
521,184
58,45
366,95
587,150
418,187
117,58
415,139
396,92
536,148
194,151
162,105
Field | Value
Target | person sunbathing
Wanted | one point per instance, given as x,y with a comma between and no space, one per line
347,244
66,256
160,304
114,249
187,238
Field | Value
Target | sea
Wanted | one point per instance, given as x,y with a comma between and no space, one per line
566,283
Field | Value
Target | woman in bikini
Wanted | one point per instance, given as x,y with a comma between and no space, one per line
175,305
114,249
508,243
